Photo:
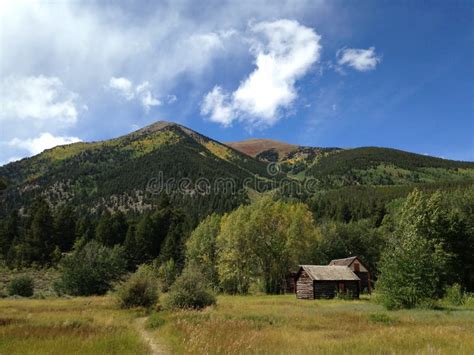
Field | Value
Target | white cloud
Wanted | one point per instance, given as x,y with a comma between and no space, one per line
216,105
141,92
123,86
284,51
359,59
171,99
44,141
40,100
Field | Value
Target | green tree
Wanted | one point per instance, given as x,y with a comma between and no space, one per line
201,248
91,270
173,246
264,241
167,273
39,243
412,267
112,229
145,234
9,231
65,228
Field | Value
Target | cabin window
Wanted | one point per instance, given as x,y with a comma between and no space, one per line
356,267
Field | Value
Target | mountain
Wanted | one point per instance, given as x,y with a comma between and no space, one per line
337,167
133,172
255,147
127,172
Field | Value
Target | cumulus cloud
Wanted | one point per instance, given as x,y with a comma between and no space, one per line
39,144
284,51
359,59
40,100
141,92
123,86
218,107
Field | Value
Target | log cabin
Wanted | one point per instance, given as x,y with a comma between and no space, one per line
324,281
358,268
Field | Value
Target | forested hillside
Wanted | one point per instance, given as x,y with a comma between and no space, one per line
123,173
138,197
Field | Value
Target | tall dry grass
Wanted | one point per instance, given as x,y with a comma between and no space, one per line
284,325
90,325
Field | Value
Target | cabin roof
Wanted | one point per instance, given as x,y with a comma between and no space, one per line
329,273
343,262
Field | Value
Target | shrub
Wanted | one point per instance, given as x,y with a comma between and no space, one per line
21,286
454,295
347,295
91,270
190,291
140,290
167,275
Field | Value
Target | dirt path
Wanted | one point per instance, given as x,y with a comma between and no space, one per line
155,347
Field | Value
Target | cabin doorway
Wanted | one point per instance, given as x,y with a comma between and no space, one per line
342,287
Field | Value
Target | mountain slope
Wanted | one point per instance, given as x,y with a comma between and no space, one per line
134,171
255,147
118,173
336,167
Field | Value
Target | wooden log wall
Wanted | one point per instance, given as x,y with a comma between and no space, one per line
304,286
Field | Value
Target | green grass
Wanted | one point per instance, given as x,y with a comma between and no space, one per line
91,325
237,325
284,325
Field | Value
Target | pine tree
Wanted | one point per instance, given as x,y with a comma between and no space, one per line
112,229
9,231
39,243
103,230
65,228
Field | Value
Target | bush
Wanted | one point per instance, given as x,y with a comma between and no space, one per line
167,275
346,296
140,290
21,286
190,291
91,270
454,295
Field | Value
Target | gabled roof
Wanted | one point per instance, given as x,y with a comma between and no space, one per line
329,273
343,262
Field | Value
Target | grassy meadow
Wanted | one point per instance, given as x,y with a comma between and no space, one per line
92,325
238,324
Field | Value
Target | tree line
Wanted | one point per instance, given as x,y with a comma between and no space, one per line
421,245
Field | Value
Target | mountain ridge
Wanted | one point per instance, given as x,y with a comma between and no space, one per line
114,173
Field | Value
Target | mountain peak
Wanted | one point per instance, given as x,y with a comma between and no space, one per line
255,146
157,126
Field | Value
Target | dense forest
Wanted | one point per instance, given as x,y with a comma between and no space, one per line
67,202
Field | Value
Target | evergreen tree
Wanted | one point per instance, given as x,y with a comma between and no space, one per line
111,229
144,240
130,247
9,231
174,243
39,241
65,228
103,230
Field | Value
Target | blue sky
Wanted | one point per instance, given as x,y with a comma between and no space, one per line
319,73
